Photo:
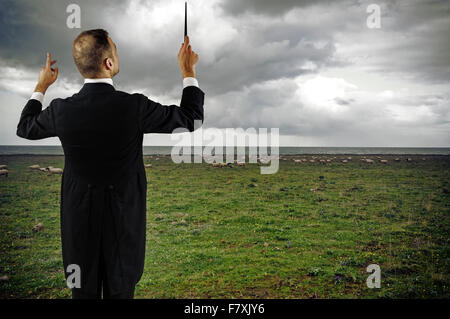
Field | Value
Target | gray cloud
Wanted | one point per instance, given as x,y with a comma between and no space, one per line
359,115
255,57
268,7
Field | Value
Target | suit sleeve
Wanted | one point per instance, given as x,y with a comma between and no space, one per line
35,124
157,118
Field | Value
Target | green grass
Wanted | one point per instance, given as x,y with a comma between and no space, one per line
308,231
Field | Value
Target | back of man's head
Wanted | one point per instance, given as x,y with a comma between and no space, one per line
89,50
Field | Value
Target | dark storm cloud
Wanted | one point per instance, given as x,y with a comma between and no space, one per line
28,29
416,41
262,51
264,47
429,51
253,57
267,7
421,49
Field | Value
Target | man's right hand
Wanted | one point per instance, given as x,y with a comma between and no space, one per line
187,59
47,75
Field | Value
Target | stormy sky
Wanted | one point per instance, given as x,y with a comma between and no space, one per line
313,69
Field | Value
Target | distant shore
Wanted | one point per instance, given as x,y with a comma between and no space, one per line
295,151
282,157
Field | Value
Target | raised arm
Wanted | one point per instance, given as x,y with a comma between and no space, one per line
34,123
158,118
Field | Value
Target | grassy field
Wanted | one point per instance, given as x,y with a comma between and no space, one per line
308,231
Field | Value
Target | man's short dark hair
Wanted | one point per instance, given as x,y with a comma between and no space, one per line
89,49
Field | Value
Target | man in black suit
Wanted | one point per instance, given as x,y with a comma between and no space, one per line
104,185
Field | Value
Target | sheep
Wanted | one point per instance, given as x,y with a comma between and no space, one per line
368,160
349,158
322,161
397,159
312,161
345,161
297,161
3,167
409,159
383,161
54,170
38,227
50,169
35,167
220,164
4,172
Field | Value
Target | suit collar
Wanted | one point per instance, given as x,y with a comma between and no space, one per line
96,88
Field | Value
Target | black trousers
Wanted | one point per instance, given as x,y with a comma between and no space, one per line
103,287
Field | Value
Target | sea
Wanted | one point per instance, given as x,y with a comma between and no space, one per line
166,150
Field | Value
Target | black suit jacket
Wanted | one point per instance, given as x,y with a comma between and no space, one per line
104,185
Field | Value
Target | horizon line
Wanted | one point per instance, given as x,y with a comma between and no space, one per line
268,146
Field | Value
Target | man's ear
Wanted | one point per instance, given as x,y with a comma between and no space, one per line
109,63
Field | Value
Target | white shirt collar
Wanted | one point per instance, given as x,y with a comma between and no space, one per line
100,80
